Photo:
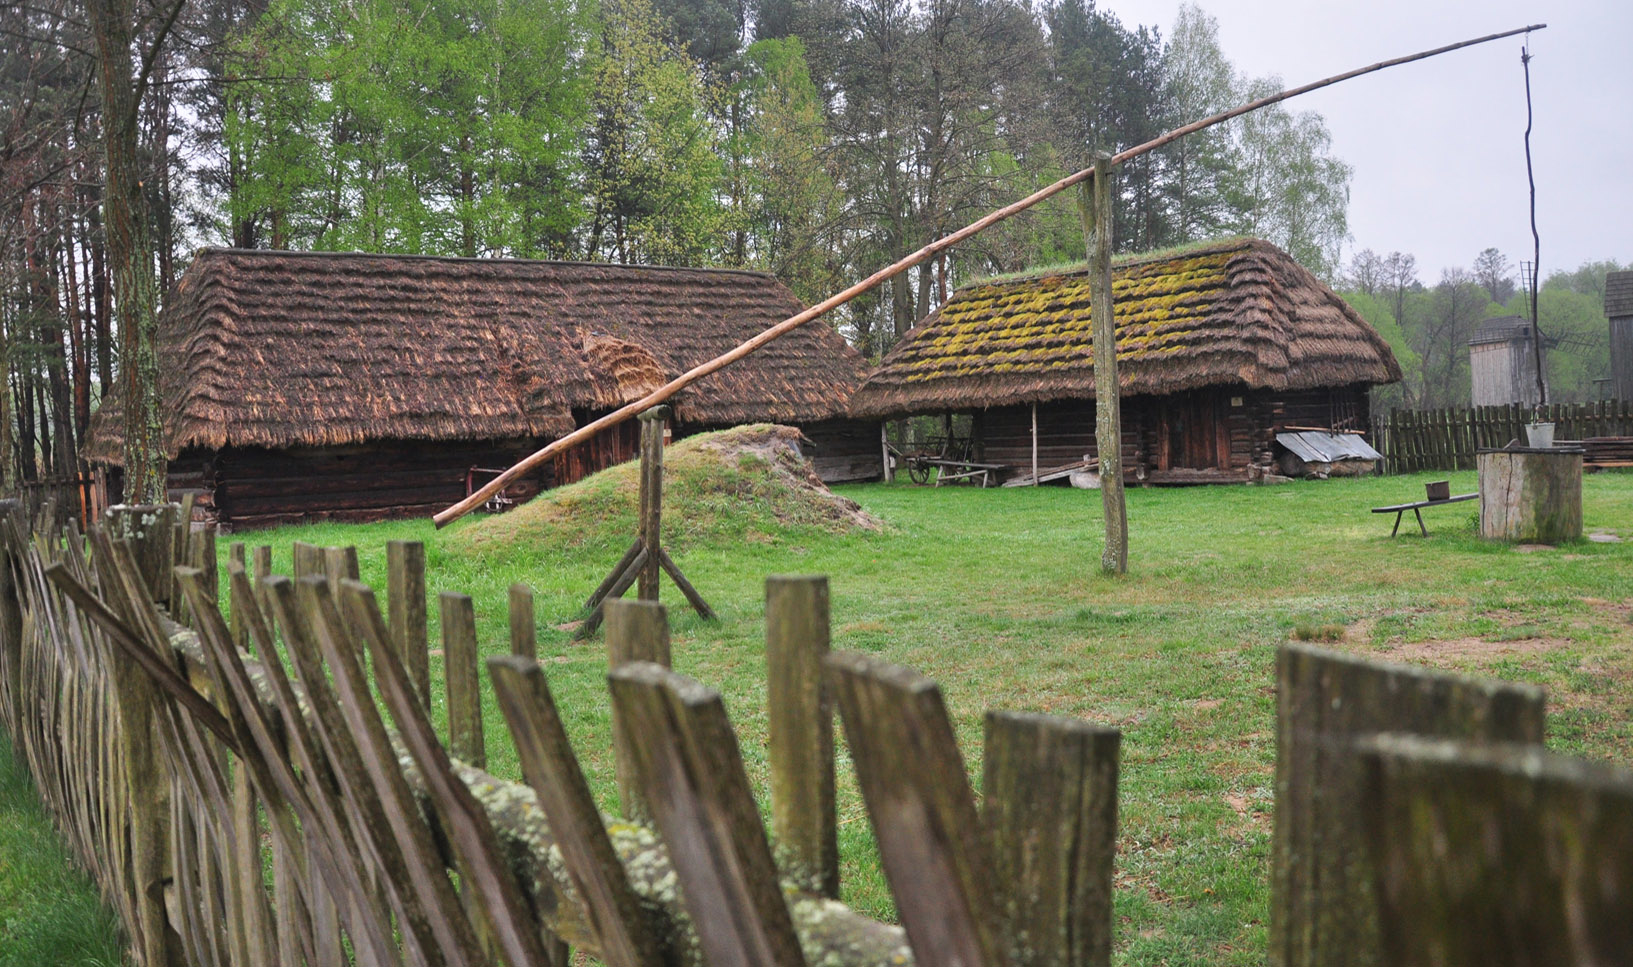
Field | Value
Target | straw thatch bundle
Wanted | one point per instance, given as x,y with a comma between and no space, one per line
1239,312
282,349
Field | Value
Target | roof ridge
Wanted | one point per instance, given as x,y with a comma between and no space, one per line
475,260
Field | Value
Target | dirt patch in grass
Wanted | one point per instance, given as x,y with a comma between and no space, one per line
1448,650
747,484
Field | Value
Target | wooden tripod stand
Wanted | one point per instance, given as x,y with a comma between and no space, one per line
646,556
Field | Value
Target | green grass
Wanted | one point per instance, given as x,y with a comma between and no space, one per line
997,595
49,912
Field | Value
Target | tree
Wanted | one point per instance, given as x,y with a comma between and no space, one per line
1200,168
1491,271
1367,272
1294,192
130,246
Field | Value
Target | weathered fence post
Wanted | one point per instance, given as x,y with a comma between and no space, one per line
1323,912
1094,208
405,599
1497,856
524,633
636,631
307,559
150,533
800,733
1050,819
459,675
651,500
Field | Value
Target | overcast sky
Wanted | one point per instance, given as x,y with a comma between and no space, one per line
1438,146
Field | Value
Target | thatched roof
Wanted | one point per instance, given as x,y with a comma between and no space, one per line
1229,313
282,349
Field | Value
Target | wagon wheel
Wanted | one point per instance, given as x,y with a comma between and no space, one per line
918,470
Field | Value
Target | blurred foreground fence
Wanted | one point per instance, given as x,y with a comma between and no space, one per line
1413,440
267,788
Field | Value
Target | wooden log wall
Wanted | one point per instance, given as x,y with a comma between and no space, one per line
309,813
844,451
1447,439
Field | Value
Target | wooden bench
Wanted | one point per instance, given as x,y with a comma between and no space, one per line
952,470
1416,507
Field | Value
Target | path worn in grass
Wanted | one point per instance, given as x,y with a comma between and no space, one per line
996,594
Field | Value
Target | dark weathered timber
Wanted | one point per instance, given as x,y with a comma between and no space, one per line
235,617
636,631
405,596
1323,911
800,733
1534,496
619,585
623,938
692,777
427,903
651,502
1049,814
692,595
923,813
340,564
459,673
524,631
1497,856
1094,207
263,569
151,531
307,559
464,821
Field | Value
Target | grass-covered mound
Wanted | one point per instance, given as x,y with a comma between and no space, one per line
746,484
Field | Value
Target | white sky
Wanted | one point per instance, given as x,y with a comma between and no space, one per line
1437,146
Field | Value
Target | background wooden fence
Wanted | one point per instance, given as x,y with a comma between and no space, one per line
267,788
1413,440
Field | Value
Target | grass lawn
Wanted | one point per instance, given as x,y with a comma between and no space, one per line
50,914
996,594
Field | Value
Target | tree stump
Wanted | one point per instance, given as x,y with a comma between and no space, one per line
1531,495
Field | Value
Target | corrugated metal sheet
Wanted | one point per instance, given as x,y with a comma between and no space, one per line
1314,446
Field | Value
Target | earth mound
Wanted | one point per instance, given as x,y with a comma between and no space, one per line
748,483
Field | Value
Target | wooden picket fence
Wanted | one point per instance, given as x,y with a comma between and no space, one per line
1447,439
267,788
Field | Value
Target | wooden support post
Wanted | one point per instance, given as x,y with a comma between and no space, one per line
636,631
1034,444
262,560
800,733
1497,855
692,775
620,584
918,797
202,555
405,598
652,424
524,633
459,672
149,531
884,453
340,564
235,604
1094,207
606,586
686,589
1050,818
1323,907
308,559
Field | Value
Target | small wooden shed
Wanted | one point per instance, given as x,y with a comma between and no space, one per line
307,386
1502,369
1220,347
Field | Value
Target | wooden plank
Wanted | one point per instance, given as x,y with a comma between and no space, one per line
623,937
693,597
340,564
235,617
405,596
308,559
524,632
1498,855
1323,908
612,577
459,674
692,777
621,584
800,733
1050,819
918,798
483,868
637,631
651,500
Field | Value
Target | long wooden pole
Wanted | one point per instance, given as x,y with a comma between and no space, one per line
1095,208
664,392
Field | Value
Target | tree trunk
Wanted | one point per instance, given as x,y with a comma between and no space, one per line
130,252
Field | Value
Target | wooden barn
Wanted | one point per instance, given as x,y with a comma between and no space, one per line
309,386
1619,311
1220,348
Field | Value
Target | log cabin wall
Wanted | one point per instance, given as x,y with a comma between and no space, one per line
844,451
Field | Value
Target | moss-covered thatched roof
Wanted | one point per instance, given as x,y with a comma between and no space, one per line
1238,312
282,349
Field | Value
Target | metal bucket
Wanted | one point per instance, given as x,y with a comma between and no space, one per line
1539,436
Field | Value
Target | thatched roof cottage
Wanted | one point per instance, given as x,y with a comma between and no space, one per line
1219,348
323,385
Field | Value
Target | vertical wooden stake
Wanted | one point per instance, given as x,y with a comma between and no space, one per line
884,452
405,599
235,605
1050,818
636,631
652,423
459,671
800,733
1034,444
308,559
340,563
1095,211
524,634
